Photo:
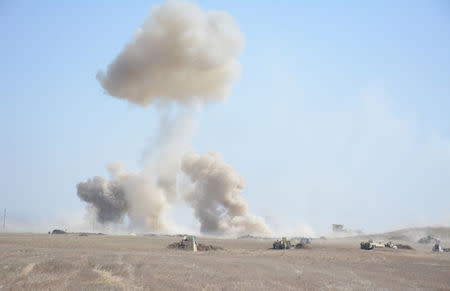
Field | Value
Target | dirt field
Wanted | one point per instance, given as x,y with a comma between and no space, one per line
42,261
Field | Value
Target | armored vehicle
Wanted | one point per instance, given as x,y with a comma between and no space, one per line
437,248
370,245
283,244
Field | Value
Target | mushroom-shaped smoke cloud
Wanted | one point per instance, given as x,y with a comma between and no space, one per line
180,53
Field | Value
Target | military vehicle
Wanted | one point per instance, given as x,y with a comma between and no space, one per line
437,248
283,244
366,246
187,243
305,240
190,243
390,245
370,245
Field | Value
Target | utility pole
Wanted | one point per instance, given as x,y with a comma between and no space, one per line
4,220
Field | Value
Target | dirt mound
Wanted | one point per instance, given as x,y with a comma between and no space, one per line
58,231
404,247
302,246
202,247
177,245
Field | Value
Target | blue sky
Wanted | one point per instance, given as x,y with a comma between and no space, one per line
341,114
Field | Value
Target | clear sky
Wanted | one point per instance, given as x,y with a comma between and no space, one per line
341,114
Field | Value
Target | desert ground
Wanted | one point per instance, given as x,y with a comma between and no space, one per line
113,262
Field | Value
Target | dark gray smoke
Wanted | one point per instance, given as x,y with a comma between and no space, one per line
135,194
107,197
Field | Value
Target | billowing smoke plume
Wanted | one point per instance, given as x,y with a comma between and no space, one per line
186,56
107,197
180,53
216,197
128,193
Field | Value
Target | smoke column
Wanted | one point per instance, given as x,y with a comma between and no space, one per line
185,56
216,196
145,196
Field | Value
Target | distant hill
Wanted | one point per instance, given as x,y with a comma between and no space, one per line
405,234
416,233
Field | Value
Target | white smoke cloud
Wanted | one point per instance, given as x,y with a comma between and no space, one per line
180,53
216,196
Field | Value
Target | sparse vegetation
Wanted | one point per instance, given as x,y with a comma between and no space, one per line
71,262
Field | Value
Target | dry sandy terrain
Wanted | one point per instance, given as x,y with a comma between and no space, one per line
42,261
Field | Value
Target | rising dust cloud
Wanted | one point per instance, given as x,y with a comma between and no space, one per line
186,56
218,184
180,53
